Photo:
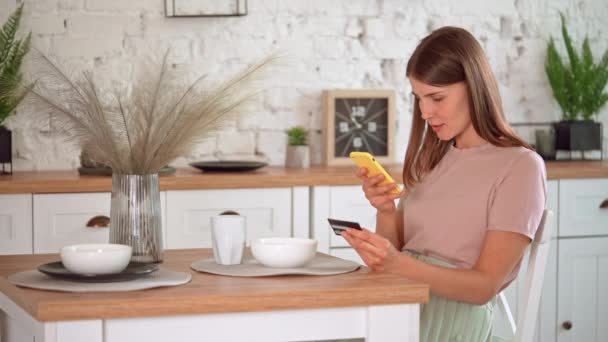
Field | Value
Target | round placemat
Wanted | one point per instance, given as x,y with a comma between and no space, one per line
37,280
321,264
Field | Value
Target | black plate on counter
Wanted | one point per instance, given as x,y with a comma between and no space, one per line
228,165
134,270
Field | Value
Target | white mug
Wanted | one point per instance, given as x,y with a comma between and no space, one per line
228,237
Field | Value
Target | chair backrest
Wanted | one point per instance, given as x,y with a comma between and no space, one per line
529,300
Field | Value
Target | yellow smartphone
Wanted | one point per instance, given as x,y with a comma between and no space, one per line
366,160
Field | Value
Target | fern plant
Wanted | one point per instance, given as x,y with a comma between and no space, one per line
296,136
578,84
12,51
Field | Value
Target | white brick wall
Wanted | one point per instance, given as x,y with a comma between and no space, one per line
328,44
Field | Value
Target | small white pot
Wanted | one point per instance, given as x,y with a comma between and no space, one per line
297,156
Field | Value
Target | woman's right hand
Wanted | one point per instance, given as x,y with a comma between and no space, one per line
379,196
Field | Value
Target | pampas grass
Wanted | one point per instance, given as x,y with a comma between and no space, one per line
141,130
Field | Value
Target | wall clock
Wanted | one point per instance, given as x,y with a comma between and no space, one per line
358,120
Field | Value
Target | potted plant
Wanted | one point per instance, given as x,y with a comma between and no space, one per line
139,130
578,87
12,51
298,153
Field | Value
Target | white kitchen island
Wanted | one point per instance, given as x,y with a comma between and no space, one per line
375,306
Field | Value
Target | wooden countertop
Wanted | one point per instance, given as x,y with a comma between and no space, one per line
208,293
267,177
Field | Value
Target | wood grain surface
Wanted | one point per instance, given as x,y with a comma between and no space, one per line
267,177
208,293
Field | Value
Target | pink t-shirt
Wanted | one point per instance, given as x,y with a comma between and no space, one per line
472,191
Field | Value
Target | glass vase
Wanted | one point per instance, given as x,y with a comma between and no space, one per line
135,216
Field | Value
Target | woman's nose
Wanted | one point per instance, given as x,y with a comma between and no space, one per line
426,111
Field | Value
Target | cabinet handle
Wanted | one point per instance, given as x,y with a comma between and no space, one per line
604,204
99,221
567,325
229,212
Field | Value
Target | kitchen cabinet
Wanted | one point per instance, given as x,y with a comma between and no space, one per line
268,212
16,224
66,219
583,207
582,311
43,223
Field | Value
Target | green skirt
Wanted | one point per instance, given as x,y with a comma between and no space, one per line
444,320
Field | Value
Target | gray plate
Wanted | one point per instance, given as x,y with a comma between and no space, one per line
134,270
320,265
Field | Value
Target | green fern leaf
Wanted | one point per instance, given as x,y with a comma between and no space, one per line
8,31
572,55
12,51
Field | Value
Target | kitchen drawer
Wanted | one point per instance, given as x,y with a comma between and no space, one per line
579,207
16,224
268,213
61,219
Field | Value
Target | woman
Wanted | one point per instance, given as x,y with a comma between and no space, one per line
474,197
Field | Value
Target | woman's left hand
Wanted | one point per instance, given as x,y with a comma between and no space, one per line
377,252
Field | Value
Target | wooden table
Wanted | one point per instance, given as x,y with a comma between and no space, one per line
377,306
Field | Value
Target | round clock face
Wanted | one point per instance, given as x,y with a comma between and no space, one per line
361,124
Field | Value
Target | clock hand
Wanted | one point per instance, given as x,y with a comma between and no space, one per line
357,124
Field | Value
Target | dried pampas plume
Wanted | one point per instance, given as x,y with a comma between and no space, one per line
158,121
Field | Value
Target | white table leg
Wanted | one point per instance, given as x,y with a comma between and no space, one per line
389,323
12,331
18,326
70,331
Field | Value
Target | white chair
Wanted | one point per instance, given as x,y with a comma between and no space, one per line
529,301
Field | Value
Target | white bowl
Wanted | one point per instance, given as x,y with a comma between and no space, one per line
283,252
96,258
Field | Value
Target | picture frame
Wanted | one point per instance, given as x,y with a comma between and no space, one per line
358,120
205,8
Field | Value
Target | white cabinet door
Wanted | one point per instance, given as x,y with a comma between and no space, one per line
63,219
349,203
581,202
268,213
582,313
16,224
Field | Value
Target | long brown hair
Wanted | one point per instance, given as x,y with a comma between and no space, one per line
450,55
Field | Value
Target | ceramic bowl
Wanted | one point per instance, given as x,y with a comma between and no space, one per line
96,258
283,252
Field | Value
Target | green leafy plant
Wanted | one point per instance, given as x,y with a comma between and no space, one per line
578,85
296,136
12,51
